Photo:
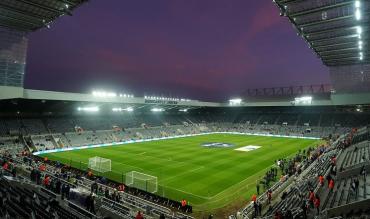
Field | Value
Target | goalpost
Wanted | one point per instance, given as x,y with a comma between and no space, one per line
142,181
100,164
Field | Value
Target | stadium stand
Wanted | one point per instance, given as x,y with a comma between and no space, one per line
351,150
348,198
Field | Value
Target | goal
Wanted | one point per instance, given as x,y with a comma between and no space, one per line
142,181
100,164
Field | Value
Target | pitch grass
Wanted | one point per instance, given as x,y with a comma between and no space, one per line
208,178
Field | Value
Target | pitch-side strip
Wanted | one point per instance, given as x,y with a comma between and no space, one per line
163,138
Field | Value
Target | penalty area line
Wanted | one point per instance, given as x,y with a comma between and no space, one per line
189,193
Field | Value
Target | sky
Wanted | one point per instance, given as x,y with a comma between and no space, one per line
199,49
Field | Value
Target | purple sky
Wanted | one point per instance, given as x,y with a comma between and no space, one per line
200,49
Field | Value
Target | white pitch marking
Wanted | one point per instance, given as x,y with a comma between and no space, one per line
248,148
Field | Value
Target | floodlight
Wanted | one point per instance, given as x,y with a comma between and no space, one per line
129,109
304,100
357,4
183,110
116,109
103,94
157,110
89,109
358,14
235,102
359,29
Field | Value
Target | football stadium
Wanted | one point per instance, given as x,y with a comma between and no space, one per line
299,151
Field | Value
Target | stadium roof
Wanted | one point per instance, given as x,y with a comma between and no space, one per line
31,15
337,30
16,93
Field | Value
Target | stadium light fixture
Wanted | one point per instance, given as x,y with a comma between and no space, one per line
89,109
157,110
357,4
235,102
357,10
359,30
358,14
103,94
183,110
304,100
119,109
166,98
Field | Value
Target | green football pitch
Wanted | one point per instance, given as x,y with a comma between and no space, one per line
208,177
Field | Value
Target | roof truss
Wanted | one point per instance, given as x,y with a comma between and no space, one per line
334,29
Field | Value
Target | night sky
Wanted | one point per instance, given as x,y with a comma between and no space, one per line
199,49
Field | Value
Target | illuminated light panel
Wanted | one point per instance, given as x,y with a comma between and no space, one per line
89,109
157,110
119,109
235,102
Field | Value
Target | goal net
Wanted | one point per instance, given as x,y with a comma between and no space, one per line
100,164
142,181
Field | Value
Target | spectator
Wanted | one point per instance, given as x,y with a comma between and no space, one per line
258,188
90,205
254,198
363,172
68,188
46,181
139,215
58,186
278,215
357,185
106,192
63,191
5,166
321,180
317,204
259,204
269,196
121,188
183,205
255,207
94,187
331,184
311,198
